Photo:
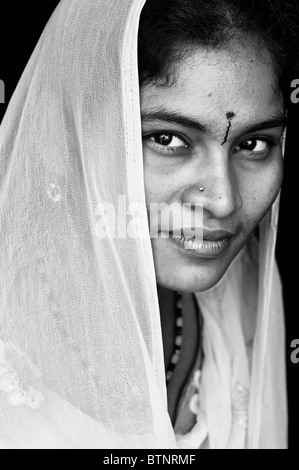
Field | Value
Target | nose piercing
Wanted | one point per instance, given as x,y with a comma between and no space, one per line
201,189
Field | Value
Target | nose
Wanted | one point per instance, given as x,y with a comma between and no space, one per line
217,189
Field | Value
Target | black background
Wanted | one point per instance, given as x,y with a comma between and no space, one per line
20,29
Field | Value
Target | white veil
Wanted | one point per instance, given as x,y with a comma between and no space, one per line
81,356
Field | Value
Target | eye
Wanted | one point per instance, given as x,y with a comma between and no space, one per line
255,146
166,142
167,139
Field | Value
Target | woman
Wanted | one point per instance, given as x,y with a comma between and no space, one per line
82,334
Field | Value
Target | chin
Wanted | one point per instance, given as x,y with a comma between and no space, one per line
191,278
176,271
188,285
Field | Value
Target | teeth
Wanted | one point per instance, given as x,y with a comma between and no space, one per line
203,246
190,242
183,239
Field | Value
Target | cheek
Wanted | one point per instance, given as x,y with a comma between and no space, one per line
154,188
260,191
158,183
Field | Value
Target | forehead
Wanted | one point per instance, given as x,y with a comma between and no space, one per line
212,83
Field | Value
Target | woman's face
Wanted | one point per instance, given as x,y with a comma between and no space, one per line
217,127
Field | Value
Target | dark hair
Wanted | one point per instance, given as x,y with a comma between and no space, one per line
169,30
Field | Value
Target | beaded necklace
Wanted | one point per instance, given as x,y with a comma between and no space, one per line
178,336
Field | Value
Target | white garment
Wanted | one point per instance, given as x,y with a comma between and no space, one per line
81,356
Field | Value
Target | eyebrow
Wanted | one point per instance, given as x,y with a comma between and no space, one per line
174,117
161,114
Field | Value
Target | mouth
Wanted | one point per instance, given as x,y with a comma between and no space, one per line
212,245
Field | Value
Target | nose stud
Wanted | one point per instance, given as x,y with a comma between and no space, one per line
201,189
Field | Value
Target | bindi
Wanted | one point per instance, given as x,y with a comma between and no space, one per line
230,115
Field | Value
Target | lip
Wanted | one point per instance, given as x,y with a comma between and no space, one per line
213,245
215,235
212,235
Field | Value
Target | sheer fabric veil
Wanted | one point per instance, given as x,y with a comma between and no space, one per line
81,356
